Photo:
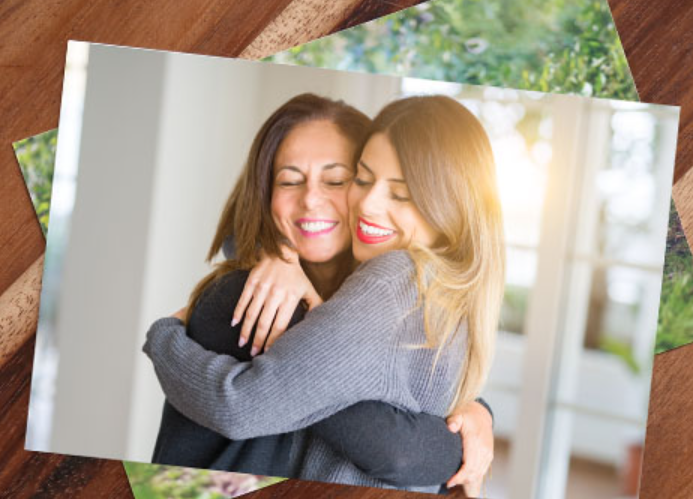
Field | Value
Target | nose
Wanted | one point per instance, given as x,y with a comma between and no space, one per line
373,200
313,196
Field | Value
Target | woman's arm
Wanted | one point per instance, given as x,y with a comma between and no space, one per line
317,368
397,446
377,437
409,448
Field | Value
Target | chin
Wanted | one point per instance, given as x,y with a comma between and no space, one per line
319,256
362,253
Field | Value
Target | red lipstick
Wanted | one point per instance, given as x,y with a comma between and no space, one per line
372,238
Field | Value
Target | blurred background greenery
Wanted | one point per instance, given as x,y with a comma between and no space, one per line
151,481
675,325
567,46
36,157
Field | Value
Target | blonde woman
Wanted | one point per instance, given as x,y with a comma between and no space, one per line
413,326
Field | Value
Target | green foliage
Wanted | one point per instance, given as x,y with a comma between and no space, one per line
514,309
36,157
622,350
675,325
546,45
153,481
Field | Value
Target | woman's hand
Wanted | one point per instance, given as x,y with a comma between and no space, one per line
271,294
475,424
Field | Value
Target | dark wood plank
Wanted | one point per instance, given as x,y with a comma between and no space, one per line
658,42
301,489
35,33
21,240
656,39
667,470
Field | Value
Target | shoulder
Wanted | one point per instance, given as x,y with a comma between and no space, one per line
390,276
227,287
210,320
391,267
218,300
394,269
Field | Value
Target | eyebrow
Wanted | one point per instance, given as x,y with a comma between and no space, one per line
328,166
289,167
398,180
335,165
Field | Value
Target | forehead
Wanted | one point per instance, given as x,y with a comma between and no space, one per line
381,157
314,143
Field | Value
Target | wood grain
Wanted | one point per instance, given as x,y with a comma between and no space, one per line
302,22
293,489
33,36
658,42
655,36
668,465
19,310
683,198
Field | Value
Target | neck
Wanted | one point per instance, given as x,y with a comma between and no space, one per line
327,277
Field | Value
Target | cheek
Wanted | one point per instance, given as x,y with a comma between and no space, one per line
340,202
408,223
282,207
425,234
353,198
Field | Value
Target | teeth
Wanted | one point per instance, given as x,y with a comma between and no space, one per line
317,226
374,231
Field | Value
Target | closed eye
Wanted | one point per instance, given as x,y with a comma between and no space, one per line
401,199
337,183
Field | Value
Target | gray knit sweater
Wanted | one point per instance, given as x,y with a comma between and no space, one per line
356,346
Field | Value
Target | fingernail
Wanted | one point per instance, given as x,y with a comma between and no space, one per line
234,322
254,351
242,341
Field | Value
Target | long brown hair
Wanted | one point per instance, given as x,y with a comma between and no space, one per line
447,161
247,215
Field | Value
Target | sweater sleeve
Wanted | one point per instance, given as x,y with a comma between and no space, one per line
400,447
337,356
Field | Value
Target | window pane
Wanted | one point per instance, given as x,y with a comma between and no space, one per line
520,277
628,190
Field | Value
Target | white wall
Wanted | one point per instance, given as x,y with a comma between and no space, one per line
198,161
101,294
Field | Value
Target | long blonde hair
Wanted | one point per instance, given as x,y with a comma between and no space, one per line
447,162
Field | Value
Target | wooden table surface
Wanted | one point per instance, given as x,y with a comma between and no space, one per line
33,35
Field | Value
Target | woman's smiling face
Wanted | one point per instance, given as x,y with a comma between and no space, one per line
382,215
312,172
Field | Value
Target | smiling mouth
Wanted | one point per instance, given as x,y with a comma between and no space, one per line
370,233
313,228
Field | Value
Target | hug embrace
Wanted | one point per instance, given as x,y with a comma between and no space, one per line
355,310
